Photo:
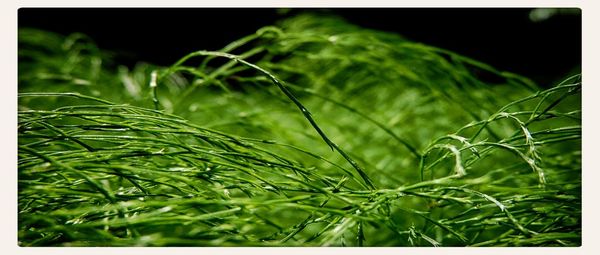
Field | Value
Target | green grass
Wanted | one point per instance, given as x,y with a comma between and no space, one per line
313,132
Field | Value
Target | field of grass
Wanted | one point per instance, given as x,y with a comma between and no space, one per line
311,132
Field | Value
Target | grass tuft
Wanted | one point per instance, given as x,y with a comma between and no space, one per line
220,148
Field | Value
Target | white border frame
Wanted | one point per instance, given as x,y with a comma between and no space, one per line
8,132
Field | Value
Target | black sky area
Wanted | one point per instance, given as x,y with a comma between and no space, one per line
505,38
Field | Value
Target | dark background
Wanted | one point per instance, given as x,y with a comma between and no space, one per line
508,39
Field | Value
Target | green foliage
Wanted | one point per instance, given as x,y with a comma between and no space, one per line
313,132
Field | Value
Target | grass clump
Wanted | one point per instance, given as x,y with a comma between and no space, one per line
313,132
